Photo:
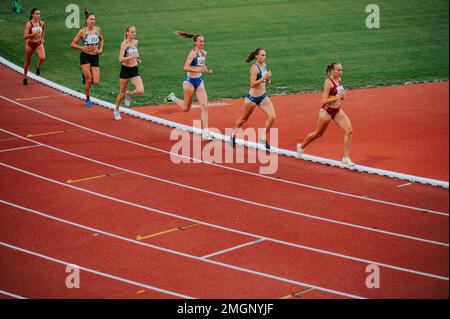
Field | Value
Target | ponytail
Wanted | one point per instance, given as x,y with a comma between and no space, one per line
87,14
32,12
186,35
253,55
329,68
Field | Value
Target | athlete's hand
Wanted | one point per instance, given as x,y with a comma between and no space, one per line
139,61
342,95
268,75
100,52
209,71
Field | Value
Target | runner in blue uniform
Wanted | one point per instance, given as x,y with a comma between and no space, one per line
257,96
92,48
195,66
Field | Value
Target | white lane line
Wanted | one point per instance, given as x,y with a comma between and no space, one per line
230,168
404,185
11,295
174,252
237,199
18,148
8,139
232,248
99,273
154,210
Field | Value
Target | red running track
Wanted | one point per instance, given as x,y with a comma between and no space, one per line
399,128
286,233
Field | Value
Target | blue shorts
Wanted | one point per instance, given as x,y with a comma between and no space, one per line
258,99
196,82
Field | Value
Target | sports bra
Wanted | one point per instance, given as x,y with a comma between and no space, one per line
261,73
129,51
336,88
90,39
39,28
199,60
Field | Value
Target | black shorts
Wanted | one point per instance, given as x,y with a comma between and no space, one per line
93,60
127,72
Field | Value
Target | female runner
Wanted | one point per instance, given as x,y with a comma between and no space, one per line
193,82
34,42
129,57
257,96
333,94
92,48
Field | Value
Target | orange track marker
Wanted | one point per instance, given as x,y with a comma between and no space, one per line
140,237
298,293
72,181
52,133
40,97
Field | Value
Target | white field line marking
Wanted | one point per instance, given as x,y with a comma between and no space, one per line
230,168
11,295
18,148
365,261
8,139
404,185
177,253
102,274
237,199
233,248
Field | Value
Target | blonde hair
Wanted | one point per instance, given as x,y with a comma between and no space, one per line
127,29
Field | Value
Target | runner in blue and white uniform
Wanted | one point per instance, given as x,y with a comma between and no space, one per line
257,96
129,57
195,66
92,48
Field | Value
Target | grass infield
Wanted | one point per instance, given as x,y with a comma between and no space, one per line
300,38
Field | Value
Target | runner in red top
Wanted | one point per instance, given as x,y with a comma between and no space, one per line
333,94
34,41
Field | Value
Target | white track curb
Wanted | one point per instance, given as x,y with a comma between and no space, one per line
279,151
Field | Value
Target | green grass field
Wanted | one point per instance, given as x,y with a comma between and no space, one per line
300,38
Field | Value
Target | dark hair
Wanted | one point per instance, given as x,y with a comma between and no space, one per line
33,11
186,35
329,68
87,14
253,54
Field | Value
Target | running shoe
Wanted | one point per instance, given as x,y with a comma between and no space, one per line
233,141
25,81
38,71
127,100
347,161
207,136
170,98
300,150
117,115
88,103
